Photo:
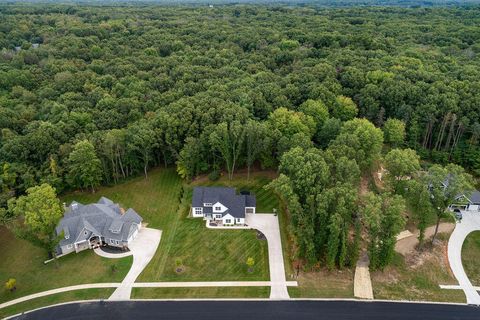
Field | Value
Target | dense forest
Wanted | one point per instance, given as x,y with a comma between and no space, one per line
91,95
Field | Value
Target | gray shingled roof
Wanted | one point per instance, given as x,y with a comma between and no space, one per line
96,218
227,196
475,197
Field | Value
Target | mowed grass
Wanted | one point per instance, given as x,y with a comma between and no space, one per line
24,262
206,254
77,295
205,293
155,199
471,257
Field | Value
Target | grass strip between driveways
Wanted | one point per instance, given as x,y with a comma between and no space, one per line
198,293
86,294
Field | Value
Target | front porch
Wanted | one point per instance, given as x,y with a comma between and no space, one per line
218,224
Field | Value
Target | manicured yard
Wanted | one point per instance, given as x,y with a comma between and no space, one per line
209,292
417,278
87,294
209,255
163,200
155,199
205,254
471,257
24,262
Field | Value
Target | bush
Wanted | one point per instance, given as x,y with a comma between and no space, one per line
214,175
11,284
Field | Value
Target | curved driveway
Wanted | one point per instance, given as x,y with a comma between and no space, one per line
470,222
143,249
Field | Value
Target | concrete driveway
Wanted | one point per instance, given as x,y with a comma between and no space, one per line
143,248
269,226
470,222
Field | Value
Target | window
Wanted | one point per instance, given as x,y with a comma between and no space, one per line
67,236
218,208
228,221
69,246
86,232
117,242
207,204
198,210
111,241
249,210
238,219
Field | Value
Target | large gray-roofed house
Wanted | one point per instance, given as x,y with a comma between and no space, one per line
86,226
222,204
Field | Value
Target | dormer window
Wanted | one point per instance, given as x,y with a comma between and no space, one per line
67,236
207,204
218,208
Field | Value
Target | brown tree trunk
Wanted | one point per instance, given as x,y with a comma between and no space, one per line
436,229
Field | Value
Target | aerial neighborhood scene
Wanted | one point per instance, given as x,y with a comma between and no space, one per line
240,159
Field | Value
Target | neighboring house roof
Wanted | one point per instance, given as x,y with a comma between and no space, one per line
226,196
475,197
103,218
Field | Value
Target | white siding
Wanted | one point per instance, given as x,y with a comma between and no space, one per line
219,208
239,221
197,212
228,219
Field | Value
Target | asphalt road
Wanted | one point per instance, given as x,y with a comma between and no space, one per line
252,310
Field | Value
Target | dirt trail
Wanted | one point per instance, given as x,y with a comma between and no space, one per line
408,244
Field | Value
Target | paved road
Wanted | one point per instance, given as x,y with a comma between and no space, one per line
269,226
252,310
470,222
143,248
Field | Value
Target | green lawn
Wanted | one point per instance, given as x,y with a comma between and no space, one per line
155,199
471,257
87,294
24,262
163,200
206,254
207,292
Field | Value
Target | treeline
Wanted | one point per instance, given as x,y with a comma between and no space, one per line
223,87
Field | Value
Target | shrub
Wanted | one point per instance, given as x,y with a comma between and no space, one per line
214,175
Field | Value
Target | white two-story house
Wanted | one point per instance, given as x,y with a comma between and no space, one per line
222,204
